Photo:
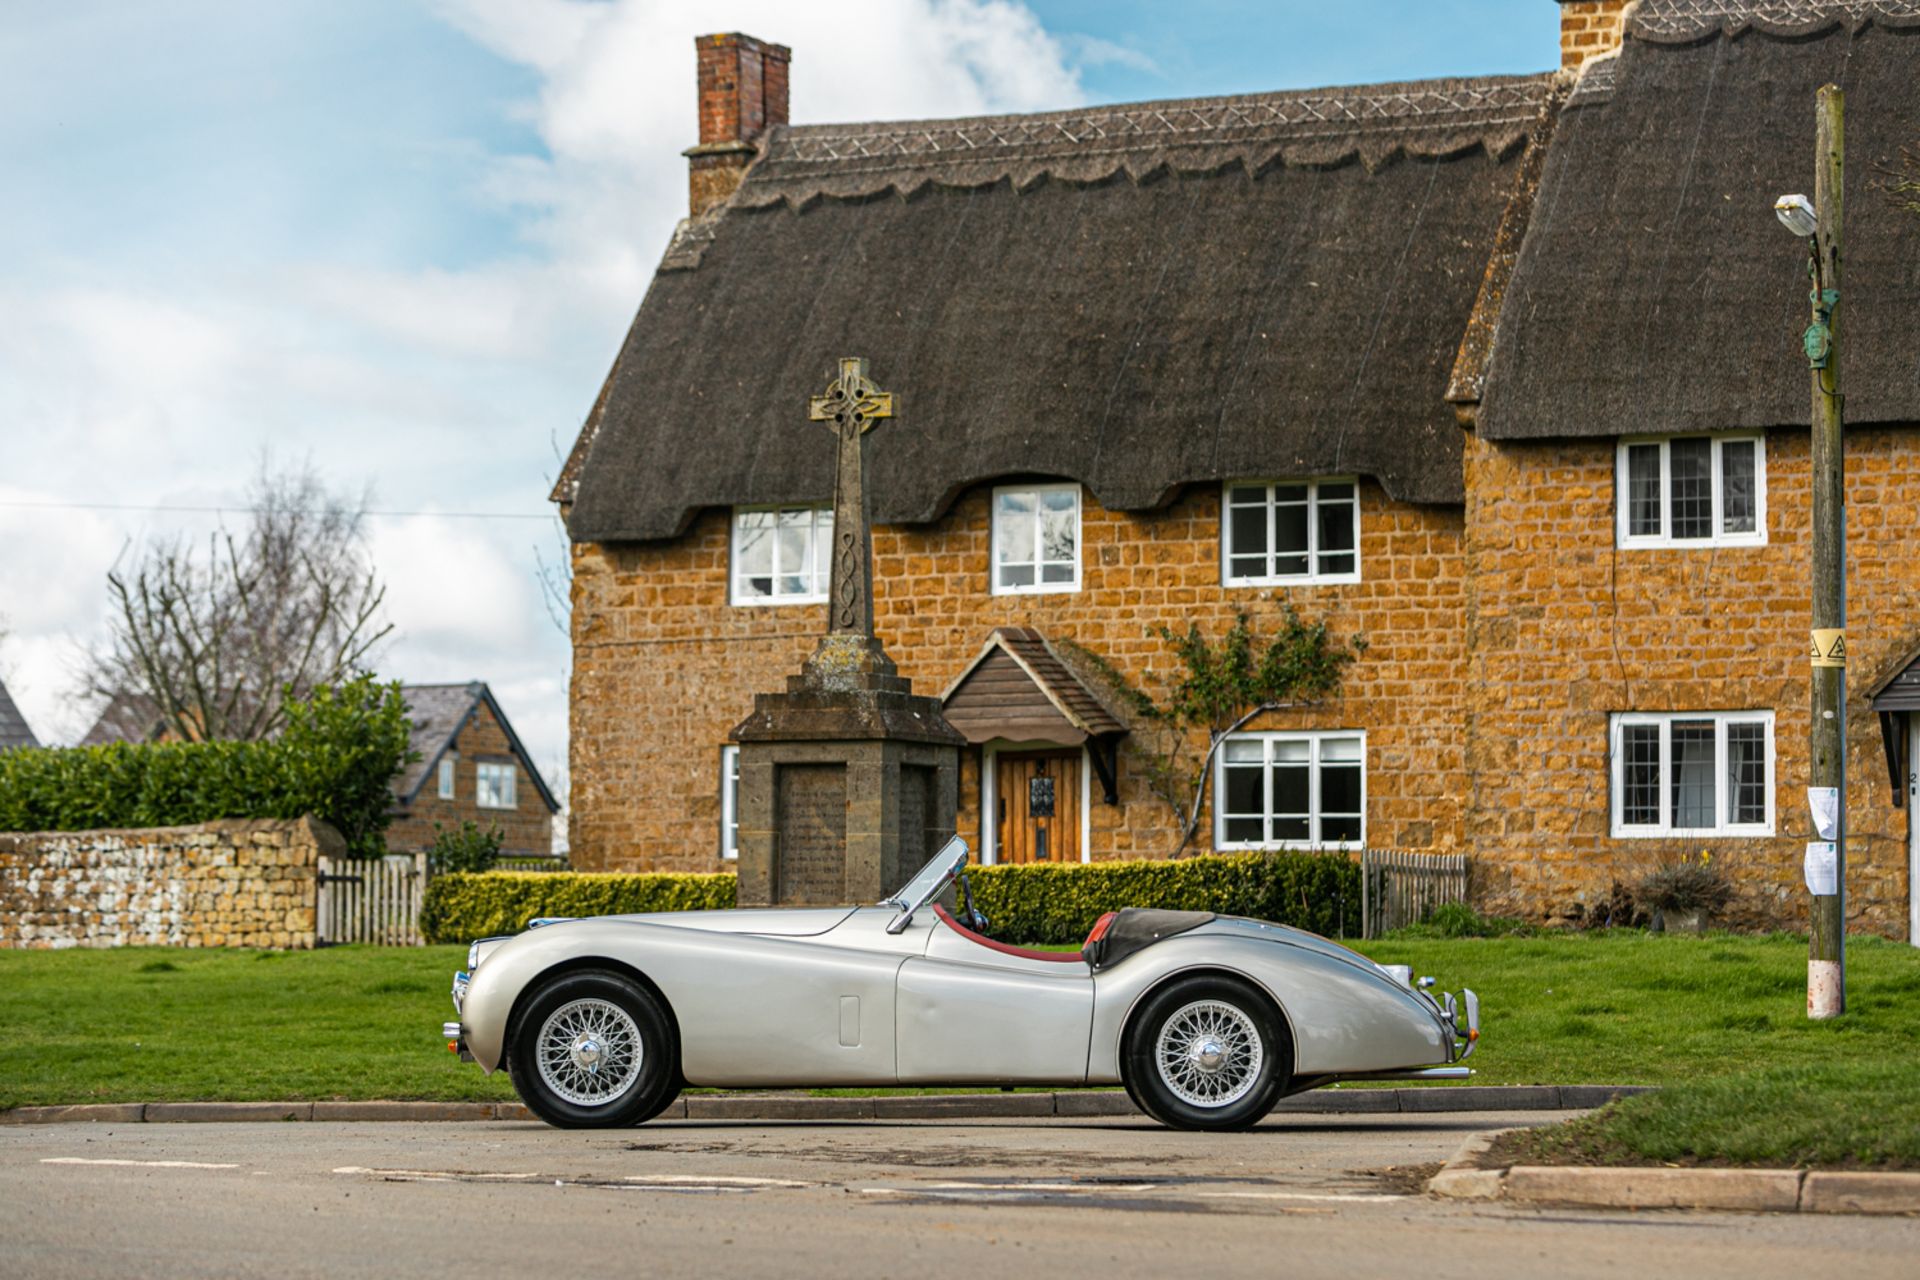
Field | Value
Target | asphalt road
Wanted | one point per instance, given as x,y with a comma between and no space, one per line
1300,1196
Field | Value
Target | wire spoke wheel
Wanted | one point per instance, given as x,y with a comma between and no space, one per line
1208,1054
589,1052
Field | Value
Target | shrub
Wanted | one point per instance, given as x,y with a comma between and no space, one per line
1032,903
465,847
1458,920
334,760
462,906
1059,903
1685,887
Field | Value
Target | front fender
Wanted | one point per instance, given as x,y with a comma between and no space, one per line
1343,1017
752,1010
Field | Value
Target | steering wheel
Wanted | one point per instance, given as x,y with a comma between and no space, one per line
976,921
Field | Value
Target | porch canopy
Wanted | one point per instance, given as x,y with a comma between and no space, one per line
1017,689
1895,698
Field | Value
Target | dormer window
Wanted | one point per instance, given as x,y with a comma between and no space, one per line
1036,539
1290,531
781,555
1692,491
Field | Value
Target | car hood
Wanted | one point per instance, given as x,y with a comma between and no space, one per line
790,922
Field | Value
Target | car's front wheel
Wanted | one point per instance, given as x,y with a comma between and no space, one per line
594,1050
1207,1053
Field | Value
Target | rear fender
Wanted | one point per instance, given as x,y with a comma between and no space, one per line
1343,1018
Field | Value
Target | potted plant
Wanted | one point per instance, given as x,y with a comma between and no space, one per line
1685,896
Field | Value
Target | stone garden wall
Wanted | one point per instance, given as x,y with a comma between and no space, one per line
221,884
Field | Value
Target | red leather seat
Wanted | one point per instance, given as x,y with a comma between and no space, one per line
1052,957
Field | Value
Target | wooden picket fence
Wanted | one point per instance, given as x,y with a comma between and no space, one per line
1399,889
374,900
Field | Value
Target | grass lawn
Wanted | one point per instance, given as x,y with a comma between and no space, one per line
145,1024
151,1024
1721,1022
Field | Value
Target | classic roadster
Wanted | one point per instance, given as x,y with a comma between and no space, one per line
1206,1020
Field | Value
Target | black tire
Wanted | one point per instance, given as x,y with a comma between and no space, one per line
1247,1050
595,1023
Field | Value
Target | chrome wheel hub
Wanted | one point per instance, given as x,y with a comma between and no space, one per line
589,1052
1209,1053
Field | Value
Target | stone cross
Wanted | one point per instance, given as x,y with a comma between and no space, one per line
850,407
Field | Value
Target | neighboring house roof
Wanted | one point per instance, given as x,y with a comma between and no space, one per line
1655,291
127,717
1018,688
438,712
14,729
1135,297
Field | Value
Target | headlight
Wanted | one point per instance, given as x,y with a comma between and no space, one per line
473,957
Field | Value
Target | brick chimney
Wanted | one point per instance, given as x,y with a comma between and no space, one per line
1589,28
743,92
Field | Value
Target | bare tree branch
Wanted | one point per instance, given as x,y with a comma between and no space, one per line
214,639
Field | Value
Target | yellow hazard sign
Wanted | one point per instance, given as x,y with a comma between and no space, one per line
1829,647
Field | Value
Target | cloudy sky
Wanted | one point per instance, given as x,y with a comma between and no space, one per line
402,238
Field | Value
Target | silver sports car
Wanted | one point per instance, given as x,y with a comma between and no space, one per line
1207,1020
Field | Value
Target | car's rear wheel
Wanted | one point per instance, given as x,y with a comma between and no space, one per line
1207,1052
594,1050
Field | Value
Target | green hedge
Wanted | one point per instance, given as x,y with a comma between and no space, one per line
333,760
1050,903
462,906
1026,904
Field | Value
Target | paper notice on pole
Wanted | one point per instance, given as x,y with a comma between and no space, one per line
1825,803
1822,868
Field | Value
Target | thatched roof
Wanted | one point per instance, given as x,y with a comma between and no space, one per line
1136,297
1655,291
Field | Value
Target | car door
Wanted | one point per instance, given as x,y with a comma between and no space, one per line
968,1014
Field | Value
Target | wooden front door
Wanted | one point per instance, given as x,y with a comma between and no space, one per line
1038,797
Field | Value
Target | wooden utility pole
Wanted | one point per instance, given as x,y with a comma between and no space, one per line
1827,944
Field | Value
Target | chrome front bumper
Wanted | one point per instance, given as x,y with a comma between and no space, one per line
455,1033
1467,1039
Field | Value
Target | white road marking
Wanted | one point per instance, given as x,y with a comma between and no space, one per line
143,1164
1294,1195
717,1180
443,1175
665,1182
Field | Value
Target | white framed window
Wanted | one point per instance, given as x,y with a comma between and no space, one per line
1036,539
446,777
493,785
1706,773
729,802
1276,532
1692,491
1291,791
781,555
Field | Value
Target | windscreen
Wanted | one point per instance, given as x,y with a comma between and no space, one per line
932,878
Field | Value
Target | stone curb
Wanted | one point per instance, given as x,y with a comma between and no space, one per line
1738,1190
778,1106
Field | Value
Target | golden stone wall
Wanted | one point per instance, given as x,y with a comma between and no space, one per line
1566,628
664,666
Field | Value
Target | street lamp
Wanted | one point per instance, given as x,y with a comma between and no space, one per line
1796,215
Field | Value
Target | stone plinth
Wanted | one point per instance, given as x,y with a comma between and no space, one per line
848,781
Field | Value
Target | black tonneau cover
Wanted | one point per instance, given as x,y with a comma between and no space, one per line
1135,929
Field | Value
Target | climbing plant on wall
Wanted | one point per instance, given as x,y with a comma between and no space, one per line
1183,712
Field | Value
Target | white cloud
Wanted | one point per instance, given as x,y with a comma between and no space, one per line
159,380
